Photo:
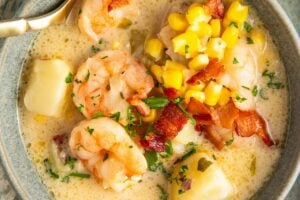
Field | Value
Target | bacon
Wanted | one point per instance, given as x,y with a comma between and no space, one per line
212,135
215,8
116,4
171,121
154,142
171,93
211,71
227,115
203,119
140,106
195,107
249,123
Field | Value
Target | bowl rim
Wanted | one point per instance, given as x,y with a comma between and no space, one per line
282,15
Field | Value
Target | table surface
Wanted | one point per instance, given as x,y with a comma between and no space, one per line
292,7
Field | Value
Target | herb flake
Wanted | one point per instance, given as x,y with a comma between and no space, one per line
69,78
49,169
203,164
247,27
249,40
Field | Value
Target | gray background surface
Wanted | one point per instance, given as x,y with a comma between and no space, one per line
292,7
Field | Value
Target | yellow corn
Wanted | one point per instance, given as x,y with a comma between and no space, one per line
258,38
177,22
216,48
212,93
154,48
196,14
157,71
116,45
173,65
200,86
186,44
199,62
151,117
215,27
225,97
236,13
198,95
230,36
172,78
202,29
40,118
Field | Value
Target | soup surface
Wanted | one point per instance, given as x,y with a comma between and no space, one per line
246,161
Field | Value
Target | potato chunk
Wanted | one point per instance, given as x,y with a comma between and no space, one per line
46,92
200,178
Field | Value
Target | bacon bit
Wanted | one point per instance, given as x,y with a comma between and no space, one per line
227,115
215,8
171,93
250,123
212,135
211,71
203,119
195,107
171,121
198,128
154,142
116,4
140,106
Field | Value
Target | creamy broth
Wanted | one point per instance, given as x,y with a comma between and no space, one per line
247,164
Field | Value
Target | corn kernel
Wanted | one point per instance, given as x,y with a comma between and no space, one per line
230,36
116,45
225,97
172,79
186,44
258,38
202,29
196,14
174,65
40,118
154,48
215,27
199,62
236,13
216,48
198,95
157,71
200,86
177,22
212,93
151,117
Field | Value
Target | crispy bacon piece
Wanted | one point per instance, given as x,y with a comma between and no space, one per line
203,119
211,71
113,4
249,123
154,142
212,135
140,106
195,107
171,121
227,115
171,93
215,8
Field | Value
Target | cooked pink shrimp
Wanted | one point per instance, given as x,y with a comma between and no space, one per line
106,83
96,15
107,151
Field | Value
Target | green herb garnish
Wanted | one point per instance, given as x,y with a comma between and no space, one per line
49,169
247,27
151,157
104,57
203,164
272,83
163,193
240,99
249,40
90,130
70,161
80,108
168,150
255,91
156,102
87,76
234,24
116,116
235,61
69,78
95,49
97,115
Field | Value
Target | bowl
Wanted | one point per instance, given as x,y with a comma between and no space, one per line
13,153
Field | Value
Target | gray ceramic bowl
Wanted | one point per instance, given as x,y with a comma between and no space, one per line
13,54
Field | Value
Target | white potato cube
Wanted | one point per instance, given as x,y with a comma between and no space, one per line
210,183
46,92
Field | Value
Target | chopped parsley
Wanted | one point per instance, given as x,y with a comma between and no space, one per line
272,83
66,178
104,57
72,94
247,27
97,115
234,24
116,116
152,158
102,41
168,150
78,81
245,87
156,102
80,108
182,180
240,99
235,61
186,49
49,169
249,40
87,76
69,78
95,49
163,193
229,142
70,161
90,130
203,164
186,155
255,91
178,100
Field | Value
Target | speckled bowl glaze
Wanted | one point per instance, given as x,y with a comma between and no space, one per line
12,150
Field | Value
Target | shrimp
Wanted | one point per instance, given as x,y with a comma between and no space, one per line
241,76
109,82
105,149
96,15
